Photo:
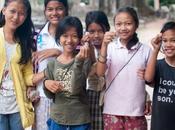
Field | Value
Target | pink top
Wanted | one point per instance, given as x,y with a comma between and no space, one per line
126,95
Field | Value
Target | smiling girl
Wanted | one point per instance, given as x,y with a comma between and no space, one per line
47,50
70,108
122,58
16,72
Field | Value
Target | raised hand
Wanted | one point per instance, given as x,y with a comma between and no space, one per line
108,37
84,52
86,38
156,42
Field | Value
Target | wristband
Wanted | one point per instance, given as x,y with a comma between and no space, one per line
104,57
44,81
103,62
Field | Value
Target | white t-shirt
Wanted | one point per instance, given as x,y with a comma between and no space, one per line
8,102
45,41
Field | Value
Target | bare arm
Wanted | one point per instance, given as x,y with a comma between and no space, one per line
41,55
150,69
86,40
38,77
101,64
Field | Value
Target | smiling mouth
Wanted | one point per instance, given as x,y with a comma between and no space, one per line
96,43
169,50
124,33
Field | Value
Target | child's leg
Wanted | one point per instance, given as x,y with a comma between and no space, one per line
80,127
132,123
4,125
15,121
113,122
52,125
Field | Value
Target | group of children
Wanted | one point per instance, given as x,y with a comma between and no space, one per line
70,78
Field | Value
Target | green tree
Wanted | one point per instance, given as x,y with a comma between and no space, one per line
162,2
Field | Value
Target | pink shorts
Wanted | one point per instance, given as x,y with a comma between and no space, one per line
114,122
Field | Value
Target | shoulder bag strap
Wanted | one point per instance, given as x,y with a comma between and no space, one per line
122,68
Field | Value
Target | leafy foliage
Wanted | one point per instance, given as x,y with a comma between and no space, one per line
162,2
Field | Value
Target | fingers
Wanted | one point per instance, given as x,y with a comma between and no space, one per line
109,37
156,42
141,73
39,56
148,109
85,38
84,52
29,89
53,86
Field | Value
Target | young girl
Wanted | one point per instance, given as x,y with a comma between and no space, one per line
69,71
96,25
47,48
16,72
162,73
122,58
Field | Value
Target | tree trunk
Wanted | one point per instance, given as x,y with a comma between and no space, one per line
102,5
123,3
140,5
143,9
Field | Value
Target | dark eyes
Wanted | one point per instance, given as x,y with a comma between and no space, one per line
94,31
73,36
126,24
57,9
13,11
171,41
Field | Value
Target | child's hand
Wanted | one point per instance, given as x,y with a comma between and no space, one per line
86,38
156,42
148,108
84,52
44,54
37,77
141,73
53,86
109,37
33,94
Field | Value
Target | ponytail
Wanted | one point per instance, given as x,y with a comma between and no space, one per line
133,41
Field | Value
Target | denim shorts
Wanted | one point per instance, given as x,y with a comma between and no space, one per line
10,121
55,126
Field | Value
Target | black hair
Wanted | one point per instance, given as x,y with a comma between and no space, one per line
24,33
168,26
98,17
64,2
132,12
66,23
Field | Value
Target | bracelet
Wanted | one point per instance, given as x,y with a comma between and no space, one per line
100,61
44,81
104,57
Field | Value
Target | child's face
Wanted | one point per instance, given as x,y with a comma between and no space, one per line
96,34
125,26
54,12
168,42
69,40
15,15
